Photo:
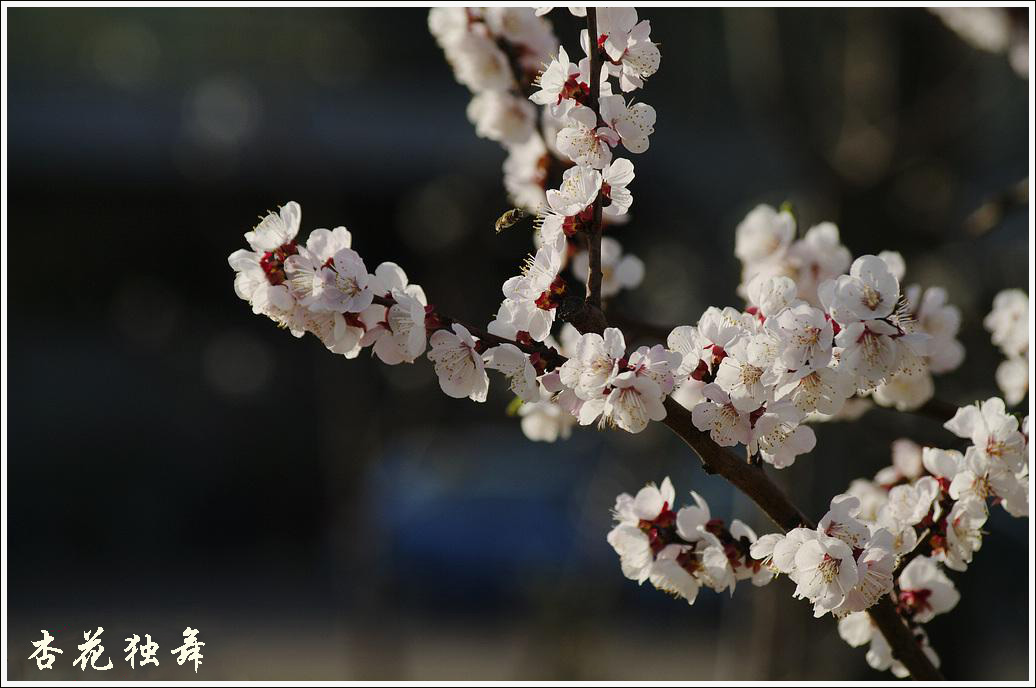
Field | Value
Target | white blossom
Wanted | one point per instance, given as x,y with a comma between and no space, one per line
763,236
747,373
615,178
825,572
458,364
633,124
963,533
817,257
583,142
1009,322
544,420
805,337
925,590
632,400
525,173
594,363
260,273
501,116
478,62
868,292
993,433
769,294
514,363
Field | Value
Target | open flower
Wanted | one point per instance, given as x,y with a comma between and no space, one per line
631,401
747,373
804,335
992,431
583,141
633,124
963,533
925,591
593,363
615,178
514,363
458,364
825,572
868,292
260,273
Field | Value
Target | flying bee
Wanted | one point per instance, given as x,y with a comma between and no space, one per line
510,219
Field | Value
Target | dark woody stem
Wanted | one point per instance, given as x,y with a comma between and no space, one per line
593,317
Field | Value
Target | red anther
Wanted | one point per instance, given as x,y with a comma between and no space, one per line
733,555
353,320
432,321
551,297
701,371
715,526
835,327
914,601
272,262
938,543
574,89
538,363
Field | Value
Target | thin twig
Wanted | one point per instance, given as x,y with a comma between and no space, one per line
592,317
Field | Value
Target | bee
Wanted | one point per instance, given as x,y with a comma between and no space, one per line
510,219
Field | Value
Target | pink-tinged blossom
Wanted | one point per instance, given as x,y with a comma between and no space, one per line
633,124
868,292
458,364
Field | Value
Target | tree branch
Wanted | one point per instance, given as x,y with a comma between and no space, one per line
753,482
592,317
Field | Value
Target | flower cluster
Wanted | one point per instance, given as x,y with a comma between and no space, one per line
681,551
497,52
891,340
934,504
841,566
1008,323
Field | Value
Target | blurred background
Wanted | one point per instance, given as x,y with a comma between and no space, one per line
175,460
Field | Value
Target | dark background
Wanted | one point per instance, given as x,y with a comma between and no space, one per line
175,460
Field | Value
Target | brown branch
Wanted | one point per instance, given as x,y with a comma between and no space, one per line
591,319
754,483
751,480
